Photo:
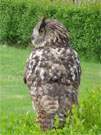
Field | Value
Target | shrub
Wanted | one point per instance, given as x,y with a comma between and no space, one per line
19,17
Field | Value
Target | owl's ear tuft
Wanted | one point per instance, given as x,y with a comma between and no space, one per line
44,19
43,23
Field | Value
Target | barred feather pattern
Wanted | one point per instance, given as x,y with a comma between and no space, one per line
52,74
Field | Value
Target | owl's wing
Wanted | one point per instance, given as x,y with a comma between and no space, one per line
77,66
73,70
30,67
72,66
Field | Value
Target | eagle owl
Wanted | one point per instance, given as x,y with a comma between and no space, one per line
52,73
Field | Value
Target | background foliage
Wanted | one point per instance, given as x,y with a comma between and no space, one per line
18,17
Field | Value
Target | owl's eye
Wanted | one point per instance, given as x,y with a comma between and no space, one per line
41,31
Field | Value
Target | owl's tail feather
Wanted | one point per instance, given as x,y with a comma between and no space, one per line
49,104
47,111
45,120
72,99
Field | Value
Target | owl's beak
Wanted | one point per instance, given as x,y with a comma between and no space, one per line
33,42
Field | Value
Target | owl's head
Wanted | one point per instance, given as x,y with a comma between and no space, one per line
49,32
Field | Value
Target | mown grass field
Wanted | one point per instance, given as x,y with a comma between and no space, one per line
16,114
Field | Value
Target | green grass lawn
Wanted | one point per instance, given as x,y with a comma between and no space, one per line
16,114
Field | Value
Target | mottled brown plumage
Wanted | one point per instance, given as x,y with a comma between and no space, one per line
52,73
